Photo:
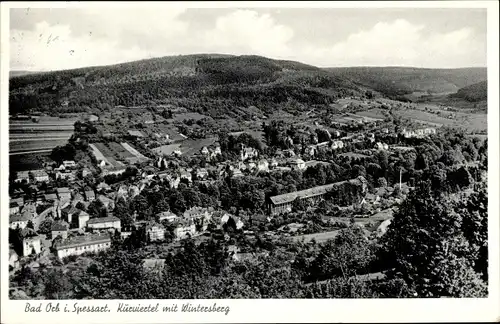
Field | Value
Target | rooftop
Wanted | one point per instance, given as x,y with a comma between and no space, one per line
83,240
18,218
135,133
103,220
307,193
62,190
59,226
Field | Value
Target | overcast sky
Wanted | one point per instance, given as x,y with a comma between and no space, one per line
55,39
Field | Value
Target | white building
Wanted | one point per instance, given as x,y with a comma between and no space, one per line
18,220
104,223
40,175
80,244
184,230
166,215
298,164
31,242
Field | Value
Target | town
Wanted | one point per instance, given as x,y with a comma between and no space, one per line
150,179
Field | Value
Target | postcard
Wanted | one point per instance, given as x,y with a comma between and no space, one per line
249,162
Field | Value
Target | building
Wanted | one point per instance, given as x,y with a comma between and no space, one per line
69,164
310,150
101,223
283,203
107,202
237,173
166,215
155,232
237,221
13,259
59,228
184,229
205,150
23,176
89,195
92,118
69,212
86,172
81,244
50,197
63,194
263,165
184,174
18,221
247,153
381,146
337,145
31,242
135,134
13,208
40,175
67,175
201,173
297,164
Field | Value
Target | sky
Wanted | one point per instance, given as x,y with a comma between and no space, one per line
65,38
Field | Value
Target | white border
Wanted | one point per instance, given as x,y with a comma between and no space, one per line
335,310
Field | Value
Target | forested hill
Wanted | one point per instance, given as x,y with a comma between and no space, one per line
474,93
210,83
399,81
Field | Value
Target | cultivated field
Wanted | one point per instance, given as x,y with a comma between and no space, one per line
319,237
47,133
187,147
114,154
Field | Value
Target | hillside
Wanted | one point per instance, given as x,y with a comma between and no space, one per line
20,73
210,83
400,81
474,93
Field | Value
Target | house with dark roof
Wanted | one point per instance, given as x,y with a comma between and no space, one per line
283,203
64,193
89,195
13,207
59,228
52,197
18,221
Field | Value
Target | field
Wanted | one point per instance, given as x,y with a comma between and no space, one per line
114,154
319,237
35,145
24,162
135,154
187,147
47,133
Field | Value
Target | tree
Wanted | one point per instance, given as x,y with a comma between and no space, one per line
381,182
346,255
80,205
123,213
95,207
45,226
57,284
30,225
427,246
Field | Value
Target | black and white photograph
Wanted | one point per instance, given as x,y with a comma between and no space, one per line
193,153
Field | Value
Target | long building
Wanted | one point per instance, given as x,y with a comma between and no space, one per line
80,244
283,203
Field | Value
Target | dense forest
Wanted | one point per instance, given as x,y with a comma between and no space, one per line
212,84
473,93
398,81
